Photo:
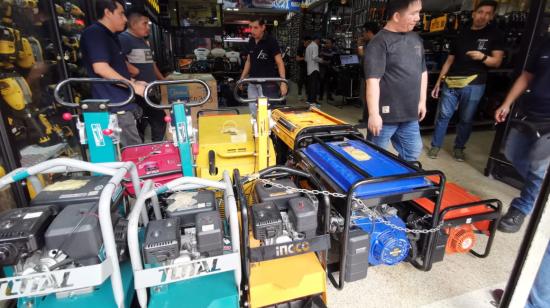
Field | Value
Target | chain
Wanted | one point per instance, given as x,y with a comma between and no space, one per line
370,213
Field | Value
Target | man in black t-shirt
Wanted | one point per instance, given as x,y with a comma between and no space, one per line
528,141
529,153
465,73
370,29
397,79
263,61
327,53
301,60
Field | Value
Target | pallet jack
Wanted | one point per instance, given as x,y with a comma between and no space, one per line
285,239
191,258
229,141
66,249
166,161
98,128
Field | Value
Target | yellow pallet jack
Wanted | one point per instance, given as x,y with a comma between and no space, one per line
229,141
285,239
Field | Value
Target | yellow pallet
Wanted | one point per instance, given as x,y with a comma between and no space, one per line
292,123
231,139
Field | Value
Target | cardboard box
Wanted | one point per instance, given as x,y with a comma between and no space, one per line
193,92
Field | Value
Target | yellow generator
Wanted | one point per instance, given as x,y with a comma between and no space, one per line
285,239
295,127
229,141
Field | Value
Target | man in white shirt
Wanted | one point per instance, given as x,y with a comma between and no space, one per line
313,77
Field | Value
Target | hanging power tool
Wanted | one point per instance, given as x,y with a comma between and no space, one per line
16,94
6,11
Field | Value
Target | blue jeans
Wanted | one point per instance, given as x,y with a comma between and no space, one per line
540,292
268,90
530,158
466,101
404,136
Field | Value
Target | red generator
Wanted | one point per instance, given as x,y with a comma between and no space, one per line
465,217
157,161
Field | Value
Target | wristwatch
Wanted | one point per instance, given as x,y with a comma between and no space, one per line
484,58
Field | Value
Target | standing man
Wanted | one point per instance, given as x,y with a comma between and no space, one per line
370,29
313,75
328,51
464,74
397,80
301,59
103,58
140,62
263,61
527,147
528,143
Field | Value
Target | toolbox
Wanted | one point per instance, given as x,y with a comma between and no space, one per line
341,160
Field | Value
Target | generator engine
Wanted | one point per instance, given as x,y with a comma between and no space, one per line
22,232
60,229
283,215
388,245
193,229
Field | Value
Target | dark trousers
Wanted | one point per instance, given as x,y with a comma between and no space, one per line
154,118
327,83
302,79
313,81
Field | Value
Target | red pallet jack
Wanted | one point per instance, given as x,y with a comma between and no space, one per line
466,216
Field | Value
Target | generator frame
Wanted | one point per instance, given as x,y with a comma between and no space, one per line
434,191
318,244
85,276
152,277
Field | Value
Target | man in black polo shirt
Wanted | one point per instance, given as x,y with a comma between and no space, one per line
103,58
263,61
464,73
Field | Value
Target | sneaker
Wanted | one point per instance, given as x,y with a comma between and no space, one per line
512,221
459,155
432,153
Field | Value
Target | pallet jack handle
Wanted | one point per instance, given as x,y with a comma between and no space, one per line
257,80
154,84
62,102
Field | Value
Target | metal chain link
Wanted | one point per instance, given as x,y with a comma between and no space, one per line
370,213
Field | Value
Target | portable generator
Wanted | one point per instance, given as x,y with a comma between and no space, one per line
192,253
70,235
466,217
228,141
285,250
368,182
296,126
